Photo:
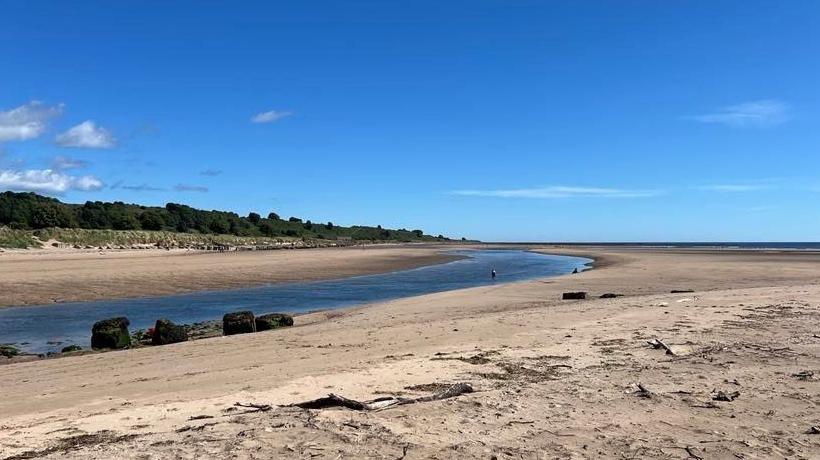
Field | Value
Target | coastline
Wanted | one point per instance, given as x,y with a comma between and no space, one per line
561,374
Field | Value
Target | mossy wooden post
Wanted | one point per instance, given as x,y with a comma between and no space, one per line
111,333
273,321
240,322
166,332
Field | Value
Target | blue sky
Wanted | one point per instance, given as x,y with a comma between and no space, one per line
498,120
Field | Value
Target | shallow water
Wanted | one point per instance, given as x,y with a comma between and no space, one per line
45,328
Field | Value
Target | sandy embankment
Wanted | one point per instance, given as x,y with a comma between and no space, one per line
554,378
47,276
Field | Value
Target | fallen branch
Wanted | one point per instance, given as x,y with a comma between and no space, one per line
194,428
658,343
804,375
255,407
643,392
333,400
522,422
692,453
728,397
706,405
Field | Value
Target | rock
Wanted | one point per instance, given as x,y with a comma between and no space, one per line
9,351
574,295
142,336
205,329
111,333
273,321
680,291
610,295
166,332
240,322
71,348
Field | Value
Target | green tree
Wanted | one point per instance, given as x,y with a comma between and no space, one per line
151,220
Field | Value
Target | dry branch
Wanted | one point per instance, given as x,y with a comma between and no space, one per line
658,343
333,400
255,407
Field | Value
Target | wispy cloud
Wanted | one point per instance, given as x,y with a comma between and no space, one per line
27,121
270,116
63,163
733,188
136,188
190,188
87,135
210,172
46,181
767,112
560,192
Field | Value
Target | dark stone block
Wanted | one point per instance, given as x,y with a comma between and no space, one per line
574,295
610,295
166,332
111,333
273,321
240,322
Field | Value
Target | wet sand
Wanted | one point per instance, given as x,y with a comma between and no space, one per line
553,378
39,277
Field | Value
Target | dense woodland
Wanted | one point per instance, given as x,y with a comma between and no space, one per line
30,211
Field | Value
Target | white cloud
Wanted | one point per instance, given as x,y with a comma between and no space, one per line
62,163
190,188
733,187
560,192
87,135
269,116
767,112
27,121
46,181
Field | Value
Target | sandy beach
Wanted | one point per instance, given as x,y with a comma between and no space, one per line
36,277
552,378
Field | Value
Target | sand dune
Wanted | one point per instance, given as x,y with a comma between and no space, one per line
553,378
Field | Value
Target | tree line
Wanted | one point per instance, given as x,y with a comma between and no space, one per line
30,211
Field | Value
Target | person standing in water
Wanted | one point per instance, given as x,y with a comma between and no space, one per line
492,273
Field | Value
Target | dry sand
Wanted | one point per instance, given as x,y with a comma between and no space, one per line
38,277
553,378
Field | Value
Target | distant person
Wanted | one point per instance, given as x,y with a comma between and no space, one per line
492,273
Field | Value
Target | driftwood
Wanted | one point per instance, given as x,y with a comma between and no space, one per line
574,295
804,375
643,392
728,397
255,407
333,400
658,343
692,454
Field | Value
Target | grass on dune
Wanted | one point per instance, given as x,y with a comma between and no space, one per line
11,238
